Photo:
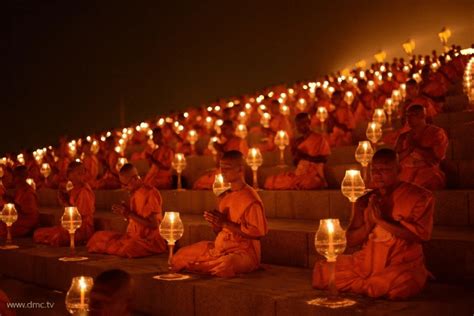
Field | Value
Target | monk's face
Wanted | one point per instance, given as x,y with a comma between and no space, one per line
412,91
157,137
129,180
384,174
415,118
77,175
231,170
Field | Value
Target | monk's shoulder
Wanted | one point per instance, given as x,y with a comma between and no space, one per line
413,191
249,196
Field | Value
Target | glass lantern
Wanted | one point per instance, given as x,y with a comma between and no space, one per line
374,133
282,140
71,221
45,170
179,164
121,161
9,216
77,297
379,116
265,120
192,138
353,186
241,131
363,155
322,115
219,186
254,160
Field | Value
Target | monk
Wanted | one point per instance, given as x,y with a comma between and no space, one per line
159,176
414,96
80,196
112,294
144,216
109,180
229,141
390,223
421,149
343,121
239,223
26,204
310,152
91,163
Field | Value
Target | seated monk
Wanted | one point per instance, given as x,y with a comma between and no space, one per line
110,179
414,96
159,175
111,294
239,223
310,152
421,150
390,223
343,121
26,204
229,141
91,163
144,215
80,196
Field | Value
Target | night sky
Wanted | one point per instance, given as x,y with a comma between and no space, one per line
68,63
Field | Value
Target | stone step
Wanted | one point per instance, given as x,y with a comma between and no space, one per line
452,207
449,244
273,290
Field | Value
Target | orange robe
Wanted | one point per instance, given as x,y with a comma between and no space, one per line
343,125
427,103
84,199
91,164
160,176
139,240
230,253
416,167
26,204
387,265
206,181
4,310
110,180
308,175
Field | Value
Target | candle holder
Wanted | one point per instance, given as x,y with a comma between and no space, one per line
241,131
171,229
330,241
192,139
71,221
349,97
243,115
9,216
282,140
121,161
353,186
374,133
31,183
379,116
388,107
265,120
254,160
21,159
211,147
45,171
219,186
322,115
284,109
77,297
363,155
301,104
179,164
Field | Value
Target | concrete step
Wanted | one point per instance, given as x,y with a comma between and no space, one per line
452,207
449,244
273,290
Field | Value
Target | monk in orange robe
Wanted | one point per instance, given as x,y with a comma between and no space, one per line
109,180
413,96
91,164
80,196
421,149
279,121
26,204
228,142
310,152
239,223
342,120
159,175
390,223
144,215
364,104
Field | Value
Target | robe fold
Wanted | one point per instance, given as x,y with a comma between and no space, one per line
84,199
308,175
139,240
26,204
387,265
416,167
231,253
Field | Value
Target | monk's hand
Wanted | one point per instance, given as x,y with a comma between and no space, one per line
215,218
375,213
121,209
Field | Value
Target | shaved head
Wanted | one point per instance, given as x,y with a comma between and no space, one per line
385,156
233,158
20,172
127,169
73,165
416,109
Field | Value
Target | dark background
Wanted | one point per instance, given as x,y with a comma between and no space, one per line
67,63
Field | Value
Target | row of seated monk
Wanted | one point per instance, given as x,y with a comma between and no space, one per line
344,115
388,225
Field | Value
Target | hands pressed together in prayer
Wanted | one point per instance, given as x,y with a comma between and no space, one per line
374,214
122,209
216,218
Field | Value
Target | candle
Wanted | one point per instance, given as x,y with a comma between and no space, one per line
349,97
330,228
322,114
284,109
82,286
71,227
371,85
241,131
171,226
301,104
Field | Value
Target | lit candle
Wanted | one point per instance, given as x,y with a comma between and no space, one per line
301,104
349,97
241,131
71,227
285,109
330,227
322,114
82,286
374,132
379,116
172,227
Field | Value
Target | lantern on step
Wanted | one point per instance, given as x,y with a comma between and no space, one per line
374,133
301,104
45,170
208,122
71,221
171,229
353,186
349,97
243,116
121,161
95,147
363,155
219,186
282,140
379,116
77,297
9,216
322,115
241,131
265,119
388,108
284,109
254,160
371,85
192,139
179,164
330,241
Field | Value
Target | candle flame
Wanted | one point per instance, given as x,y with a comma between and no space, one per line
330,227
82,283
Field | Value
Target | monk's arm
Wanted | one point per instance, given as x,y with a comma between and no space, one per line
149,221
358,229
398,230
235,228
